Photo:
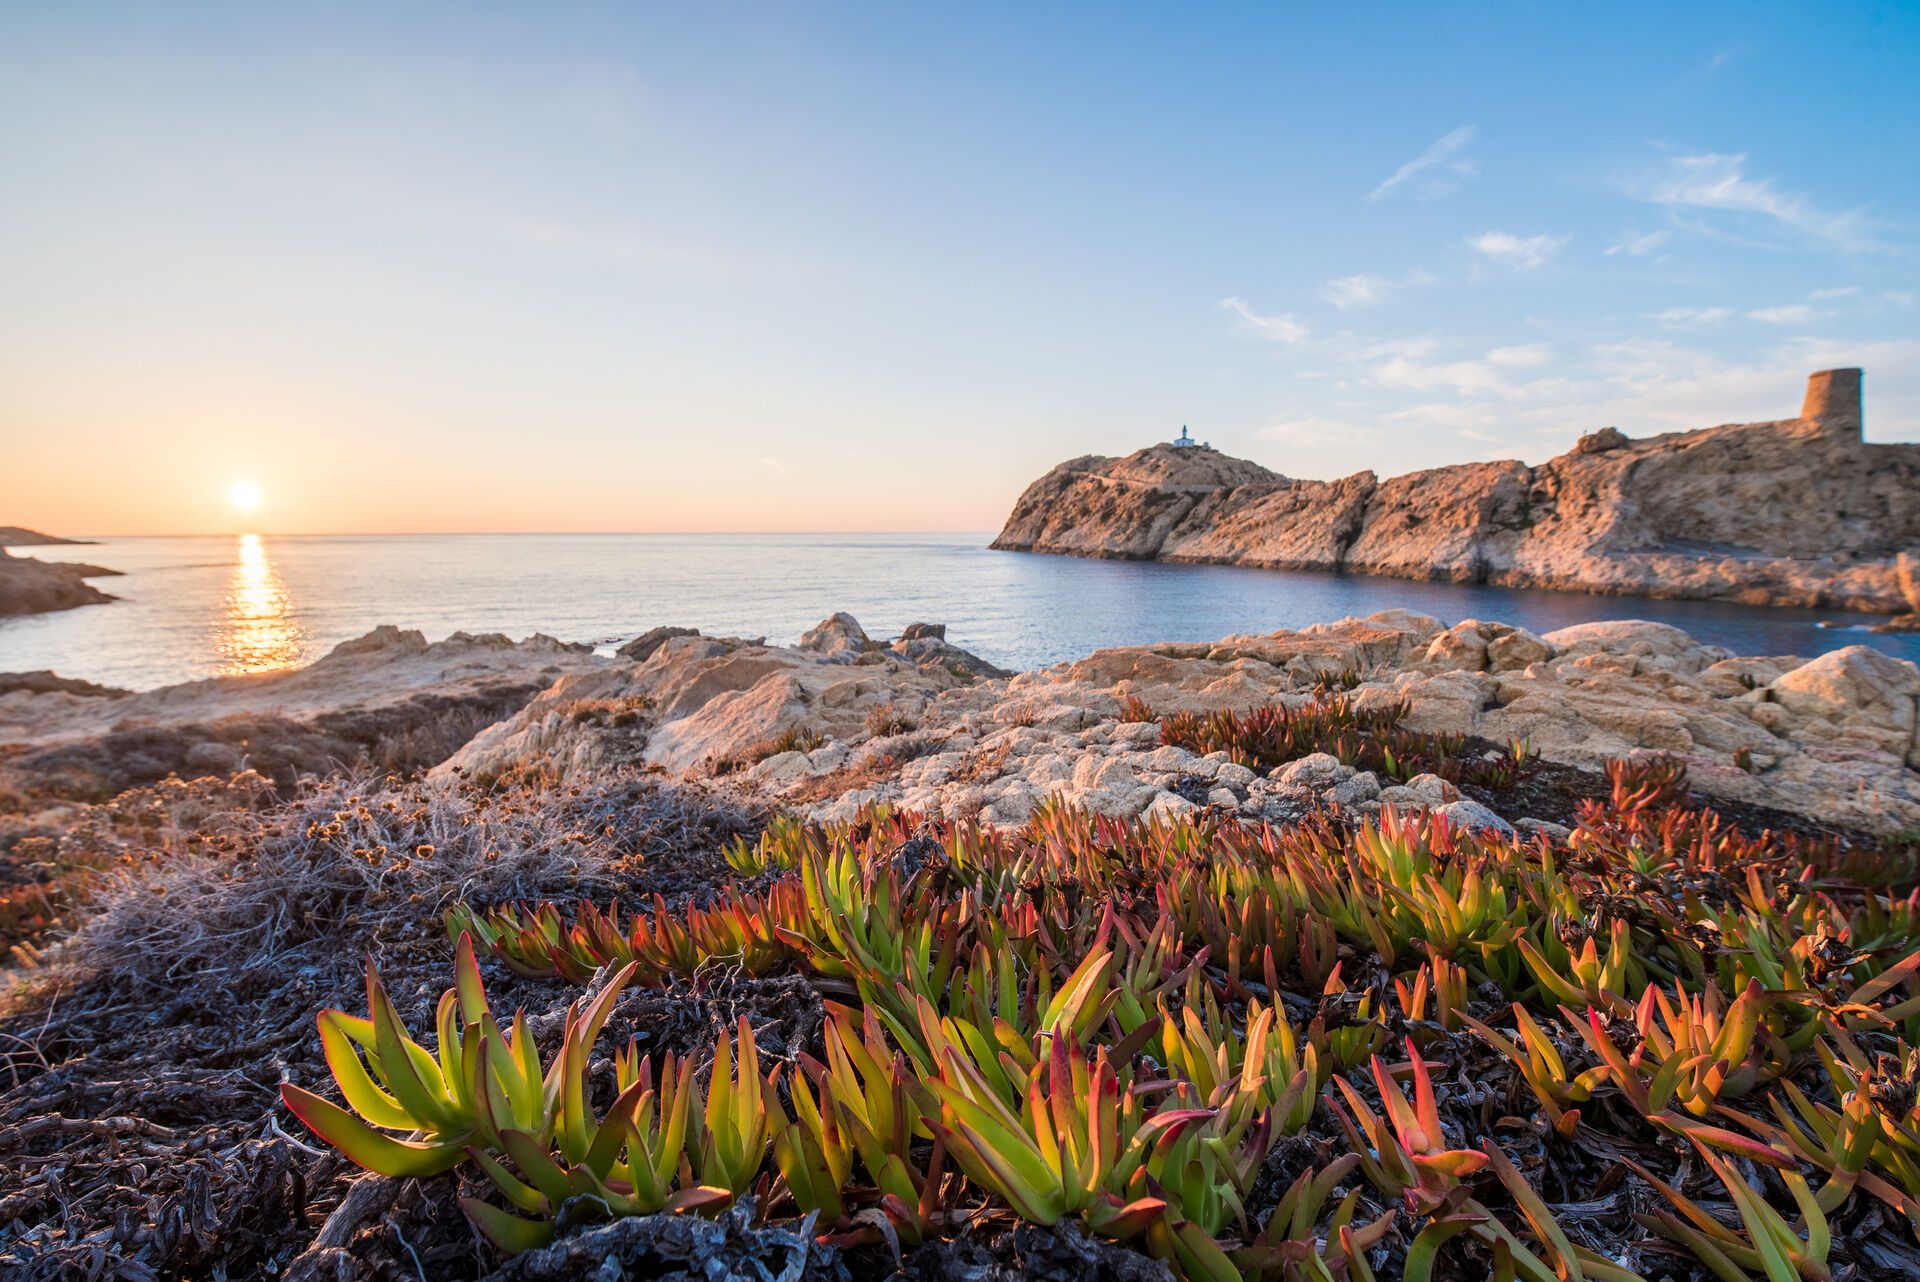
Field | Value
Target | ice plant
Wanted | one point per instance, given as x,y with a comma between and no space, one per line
1073,1148
737,1124
1405,1154
1770,1243
392,1083
631,1162
1541,1067
1694,1050
1290,1248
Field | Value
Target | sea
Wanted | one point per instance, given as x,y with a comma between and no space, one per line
208,606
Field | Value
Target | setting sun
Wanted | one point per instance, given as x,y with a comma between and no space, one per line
245,495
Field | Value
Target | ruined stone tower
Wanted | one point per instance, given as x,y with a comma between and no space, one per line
1832,407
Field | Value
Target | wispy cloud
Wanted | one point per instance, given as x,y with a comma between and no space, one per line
1719,182
1488,375
1841,291
1640,246
773,465
1521,253
1366,288
1691,317
1435,172
1312,433
1524,356
1791,314
1281,328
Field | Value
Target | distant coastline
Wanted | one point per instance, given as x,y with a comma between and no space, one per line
30,586
19,536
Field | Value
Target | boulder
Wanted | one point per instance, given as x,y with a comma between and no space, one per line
1475,818
1857,685
1512,648
1316,770
642,647
1461,648
1600,442
837,636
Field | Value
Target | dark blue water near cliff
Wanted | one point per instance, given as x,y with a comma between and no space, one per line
196,607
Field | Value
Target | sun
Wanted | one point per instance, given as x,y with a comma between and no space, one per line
244,495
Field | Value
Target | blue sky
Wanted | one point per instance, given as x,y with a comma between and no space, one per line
809,267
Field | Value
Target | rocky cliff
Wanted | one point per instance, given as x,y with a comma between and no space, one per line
1801,511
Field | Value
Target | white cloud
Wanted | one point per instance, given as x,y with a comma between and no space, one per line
773,465
1718,182
1313,433
1842,291
1282,328
1435,172
1366,288
1685,317
1899,297
1522,253
1640,246
1525,356
1791,314
1355,291
1467,378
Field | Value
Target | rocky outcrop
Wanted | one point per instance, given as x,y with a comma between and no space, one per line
30,586
843,720
19,536
1799,512
719,705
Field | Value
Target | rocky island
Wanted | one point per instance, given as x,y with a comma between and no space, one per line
1797,512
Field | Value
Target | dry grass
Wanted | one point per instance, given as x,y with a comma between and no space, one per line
138,1065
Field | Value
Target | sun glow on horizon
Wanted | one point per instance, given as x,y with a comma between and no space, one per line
244,495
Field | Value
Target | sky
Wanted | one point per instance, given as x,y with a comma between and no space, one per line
823,267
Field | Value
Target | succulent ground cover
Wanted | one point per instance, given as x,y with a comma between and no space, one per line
567,1029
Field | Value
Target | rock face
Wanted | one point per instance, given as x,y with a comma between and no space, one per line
1799,512
29,586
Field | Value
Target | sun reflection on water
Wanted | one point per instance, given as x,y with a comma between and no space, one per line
257,632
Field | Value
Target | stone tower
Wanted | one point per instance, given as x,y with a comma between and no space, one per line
1832,407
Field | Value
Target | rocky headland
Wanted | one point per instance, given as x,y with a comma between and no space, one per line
31,586
19,536
1797,512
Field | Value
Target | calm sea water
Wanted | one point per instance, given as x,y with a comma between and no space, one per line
198,607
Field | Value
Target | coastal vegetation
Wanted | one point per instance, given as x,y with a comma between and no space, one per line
555,1020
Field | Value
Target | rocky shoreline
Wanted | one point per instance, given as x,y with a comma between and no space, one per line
1798,512
840,719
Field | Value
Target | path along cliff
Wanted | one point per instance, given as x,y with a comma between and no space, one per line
1797,512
